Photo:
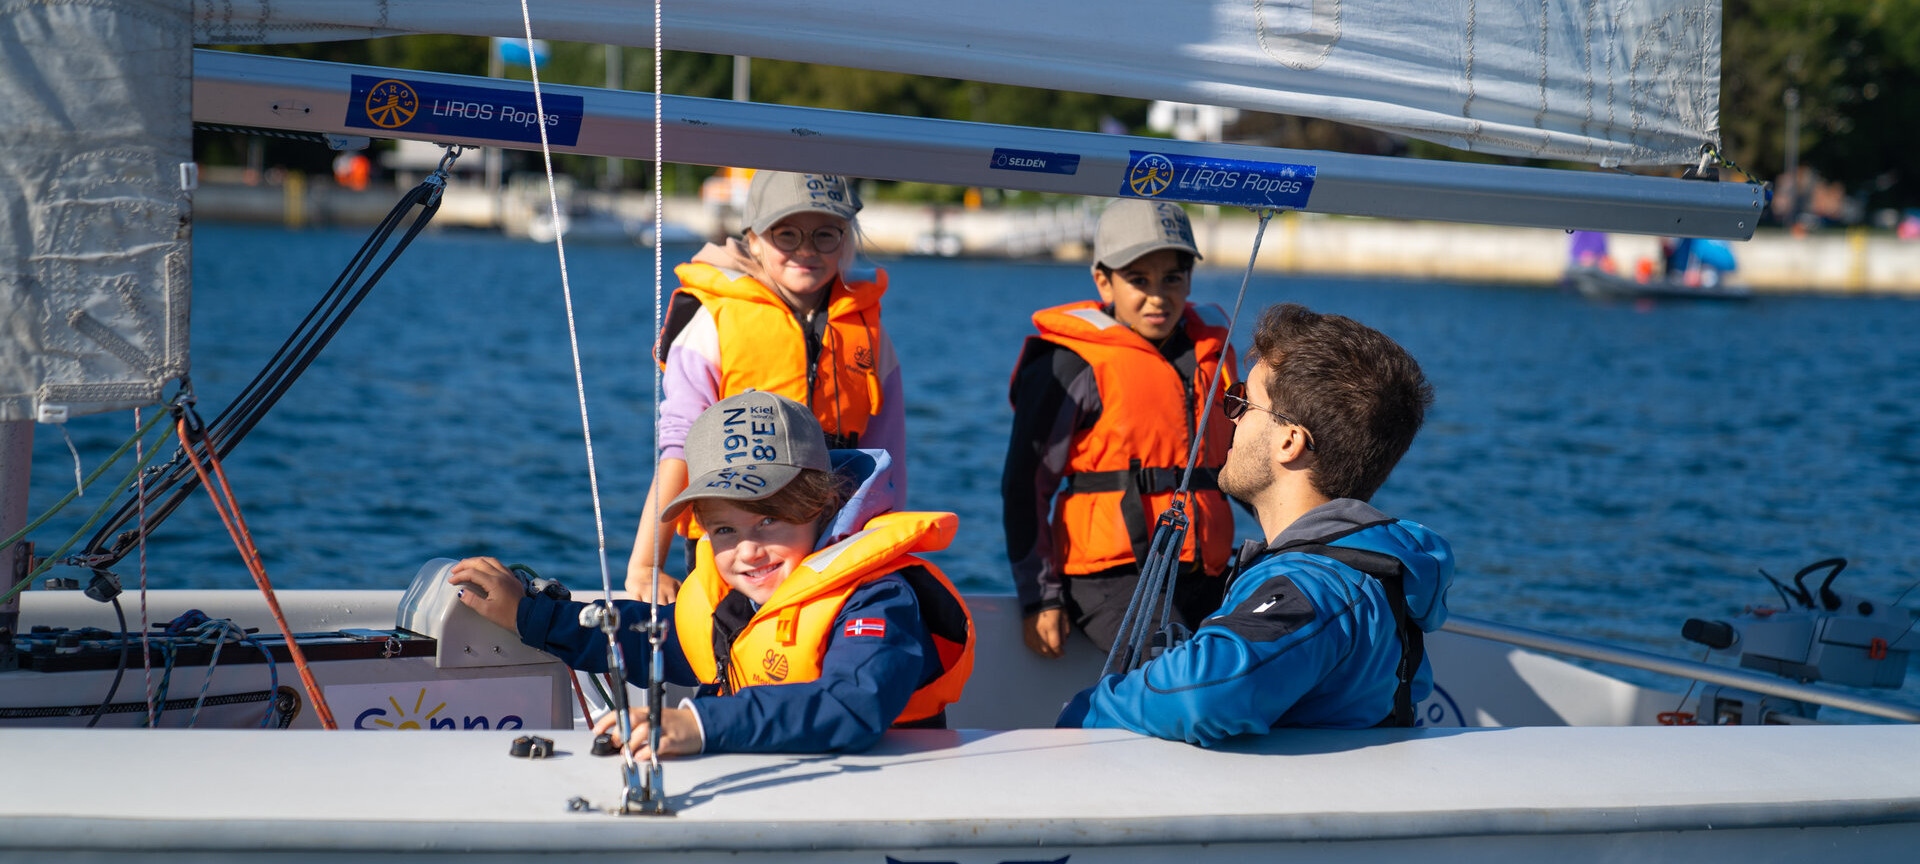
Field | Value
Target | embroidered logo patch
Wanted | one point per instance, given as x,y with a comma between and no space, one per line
866,627
776,665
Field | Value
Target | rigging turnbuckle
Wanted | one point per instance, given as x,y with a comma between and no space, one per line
438,179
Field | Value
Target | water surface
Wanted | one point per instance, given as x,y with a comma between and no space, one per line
1602,470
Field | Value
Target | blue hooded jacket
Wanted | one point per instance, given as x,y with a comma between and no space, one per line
1300,640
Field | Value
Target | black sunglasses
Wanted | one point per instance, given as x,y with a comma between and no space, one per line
1237,405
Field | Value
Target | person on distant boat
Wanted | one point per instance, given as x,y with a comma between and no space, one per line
1676,254
779,310
1106,400
1697,262
808,622
1323,624
1589,249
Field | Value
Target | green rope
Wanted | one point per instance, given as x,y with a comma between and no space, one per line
605,697
1728,161
126,481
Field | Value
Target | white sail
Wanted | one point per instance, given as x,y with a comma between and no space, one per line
95,158
1605,82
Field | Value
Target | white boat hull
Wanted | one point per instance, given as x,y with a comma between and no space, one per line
990,791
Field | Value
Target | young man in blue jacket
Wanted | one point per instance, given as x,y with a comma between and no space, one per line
1322,626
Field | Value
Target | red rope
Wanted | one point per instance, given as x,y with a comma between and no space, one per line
243,539
586,710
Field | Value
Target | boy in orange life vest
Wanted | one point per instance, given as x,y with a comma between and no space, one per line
778,309
807,621
1106,400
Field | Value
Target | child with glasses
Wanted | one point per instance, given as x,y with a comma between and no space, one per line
1106,402
780,310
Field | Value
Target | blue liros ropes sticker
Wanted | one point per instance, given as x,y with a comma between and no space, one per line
1235,182
495,113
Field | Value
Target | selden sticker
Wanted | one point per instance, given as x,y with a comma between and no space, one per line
1262,185
1035,160
499,114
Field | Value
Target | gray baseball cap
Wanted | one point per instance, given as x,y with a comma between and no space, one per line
1132,227
775,195
748,446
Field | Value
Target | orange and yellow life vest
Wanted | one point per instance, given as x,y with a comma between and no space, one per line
762,346
1122,472
787,637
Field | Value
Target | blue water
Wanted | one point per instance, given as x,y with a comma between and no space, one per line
1602,470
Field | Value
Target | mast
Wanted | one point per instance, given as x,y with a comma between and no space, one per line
16,474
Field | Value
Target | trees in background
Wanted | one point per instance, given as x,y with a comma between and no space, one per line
1853,66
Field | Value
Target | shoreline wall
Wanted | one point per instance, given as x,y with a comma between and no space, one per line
1838,261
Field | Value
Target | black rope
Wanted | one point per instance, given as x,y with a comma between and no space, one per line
290,135
293,357
1159,571
120,671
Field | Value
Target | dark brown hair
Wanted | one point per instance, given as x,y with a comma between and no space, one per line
1360,394
807,498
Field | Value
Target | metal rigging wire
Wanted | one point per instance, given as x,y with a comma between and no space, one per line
1133,641
160,497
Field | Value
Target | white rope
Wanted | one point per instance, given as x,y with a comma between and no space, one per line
618,664
656,633
566,290
79,485
1213,387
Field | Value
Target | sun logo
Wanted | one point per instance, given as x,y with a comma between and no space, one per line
390,104
400,714
1151,175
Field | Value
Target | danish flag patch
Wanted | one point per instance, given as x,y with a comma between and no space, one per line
866,627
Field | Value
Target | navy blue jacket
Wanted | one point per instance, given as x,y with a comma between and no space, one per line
864,683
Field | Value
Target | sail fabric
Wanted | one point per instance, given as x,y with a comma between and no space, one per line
94,219
1605,82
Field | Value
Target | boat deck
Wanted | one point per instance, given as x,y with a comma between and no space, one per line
982,793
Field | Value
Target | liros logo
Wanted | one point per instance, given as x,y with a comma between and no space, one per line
1151,175
390,104
776,665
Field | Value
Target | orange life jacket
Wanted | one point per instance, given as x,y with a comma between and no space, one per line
762,347
787,637
1122,472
